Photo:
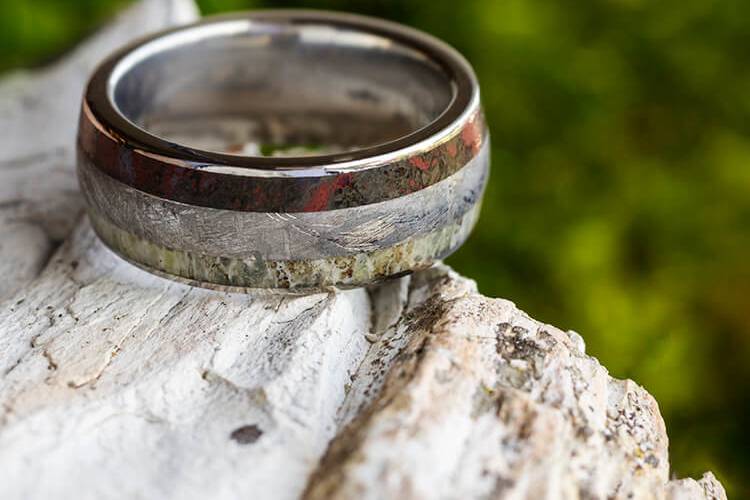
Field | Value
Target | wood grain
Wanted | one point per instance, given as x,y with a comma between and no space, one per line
118,384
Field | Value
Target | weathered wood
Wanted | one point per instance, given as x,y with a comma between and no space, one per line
39,198
118,384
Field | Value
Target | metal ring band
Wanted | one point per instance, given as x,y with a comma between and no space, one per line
403,191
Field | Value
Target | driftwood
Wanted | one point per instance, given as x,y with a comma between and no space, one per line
118,384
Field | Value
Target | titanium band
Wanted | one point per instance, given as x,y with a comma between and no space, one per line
346,218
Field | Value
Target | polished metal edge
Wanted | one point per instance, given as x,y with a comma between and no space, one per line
464,104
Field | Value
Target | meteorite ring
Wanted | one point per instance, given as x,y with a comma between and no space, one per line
289,149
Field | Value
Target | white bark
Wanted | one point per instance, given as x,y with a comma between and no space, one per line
118,384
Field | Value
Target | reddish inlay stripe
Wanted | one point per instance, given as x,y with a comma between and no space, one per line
177,180
419,162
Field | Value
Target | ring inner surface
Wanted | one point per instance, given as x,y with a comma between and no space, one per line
259,88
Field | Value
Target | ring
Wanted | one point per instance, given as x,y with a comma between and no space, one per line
289,149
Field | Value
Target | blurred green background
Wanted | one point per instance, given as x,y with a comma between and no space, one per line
619,204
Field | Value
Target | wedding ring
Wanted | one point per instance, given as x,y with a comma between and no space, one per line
283,149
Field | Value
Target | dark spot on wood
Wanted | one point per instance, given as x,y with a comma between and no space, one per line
652,461
502,485
247,434
519,330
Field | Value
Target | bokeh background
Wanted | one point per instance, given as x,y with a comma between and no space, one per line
619,203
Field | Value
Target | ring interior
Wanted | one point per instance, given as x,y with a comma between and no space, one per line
259,88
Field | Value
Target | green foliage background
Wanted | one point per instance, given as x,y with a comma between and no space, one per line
619,204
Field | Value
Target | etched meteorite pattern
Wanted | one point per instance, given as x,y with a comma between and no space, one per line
200,184
411,254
